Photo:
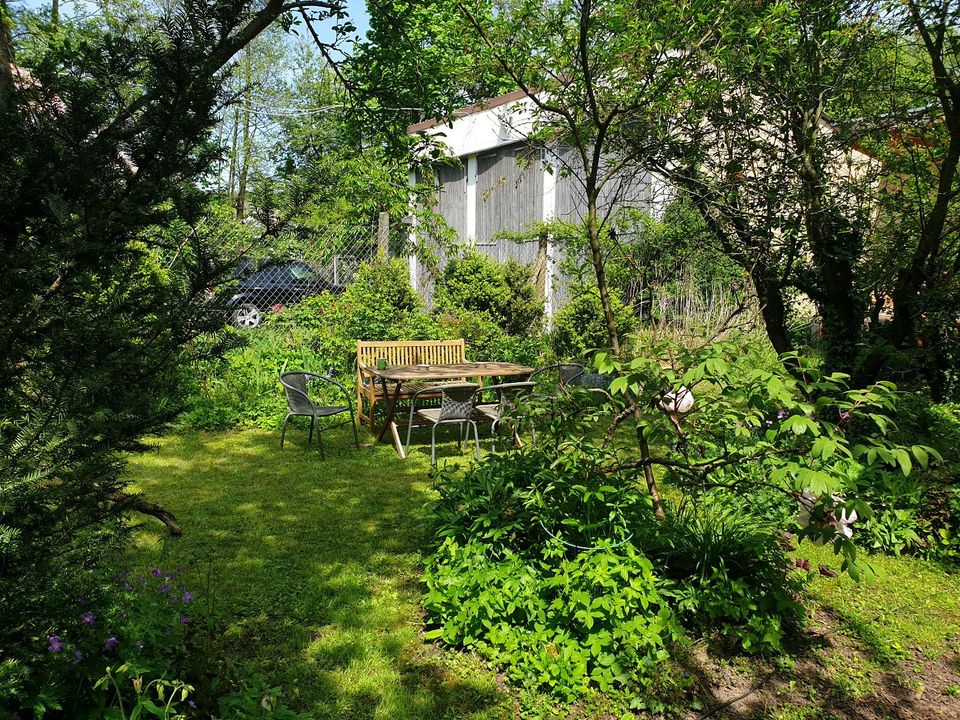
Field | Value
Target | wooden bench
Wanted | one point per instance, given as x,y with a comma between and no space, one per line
406,352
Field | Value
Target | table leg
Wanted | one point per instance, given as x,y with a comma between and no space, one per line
388,421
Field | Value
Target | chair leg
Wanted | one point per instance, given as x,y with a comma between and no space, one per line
433,445
356,438
283,433
476,436
460,428
313,420
372,403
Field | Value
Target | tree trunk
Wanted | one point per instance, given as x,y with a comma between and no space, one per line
772,307
234,150
596,253
6,58
245,143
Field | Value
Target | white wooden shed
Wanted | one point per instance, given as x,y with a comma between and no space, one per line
500,182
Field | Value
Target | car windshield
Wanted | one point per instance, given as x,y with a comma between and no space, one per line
302,272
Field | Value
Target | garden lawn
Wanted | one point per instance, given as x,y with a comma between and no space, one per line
309,569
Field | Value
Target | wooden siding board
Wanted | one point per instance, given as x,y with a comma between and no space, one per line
509,198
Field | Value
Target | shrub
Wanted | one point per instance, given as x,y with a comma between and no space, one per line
566,623
379,300
503,292
731,575
486,340
580,326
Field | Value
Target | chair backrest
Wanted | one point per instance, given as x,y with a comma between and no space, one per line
595,381
456,401
566,373
510,394
295,386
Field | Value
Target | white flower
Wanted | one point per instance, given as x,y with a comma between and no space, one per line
677,403
841,524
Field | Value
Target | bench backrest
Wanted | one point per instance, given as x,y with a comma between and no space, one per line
410,352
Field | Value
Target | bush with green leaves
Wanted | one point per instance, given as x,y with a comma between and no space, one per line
579,327
809,436
544,513
567,622
729,573
503,292
487,341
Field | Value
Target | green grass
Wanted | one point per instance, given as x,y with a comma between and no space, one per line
910,605
309,572
310,568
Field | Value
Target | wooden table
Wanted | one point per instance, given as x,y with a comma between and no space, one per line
399,374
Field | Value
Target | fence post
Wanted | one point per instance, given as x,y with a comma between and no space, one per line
383,234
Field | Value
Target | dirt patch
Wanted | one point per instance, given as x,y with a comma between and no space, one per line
834,677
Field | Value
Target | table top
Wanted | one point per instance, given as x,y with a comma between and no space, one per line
402,373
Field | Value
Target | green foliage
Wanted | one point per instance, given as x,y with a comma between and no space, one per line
119,643
487,341
579,327
731,574
504,292
104,288
593,620
805,429
379,300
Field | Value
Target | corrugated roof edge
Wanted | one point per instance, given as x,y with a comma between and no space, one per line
470,110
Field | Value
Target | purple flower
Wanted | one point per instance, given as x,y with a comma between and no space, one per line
181,587
111,643
78,657
192,704
127,586
56,644
781,414
88,618
168,631
184,619
187,598
164,588
156,572
178,570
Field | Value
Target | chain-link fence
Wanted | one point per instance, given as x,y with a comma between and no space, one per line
275,270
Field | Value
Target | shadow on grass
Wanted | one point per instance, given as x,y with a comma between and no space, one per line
308,569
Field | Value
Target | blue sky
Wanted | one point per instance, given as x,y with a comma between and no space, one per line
357,10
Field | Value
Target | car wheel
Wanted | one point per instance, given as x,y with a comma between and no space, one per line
247,315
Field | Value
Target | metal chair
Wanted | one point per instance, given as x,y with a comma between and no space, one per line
299,404
567,374
456,408
507,406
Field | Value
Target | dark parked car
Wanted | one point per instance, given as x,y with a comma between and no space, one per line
272,287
